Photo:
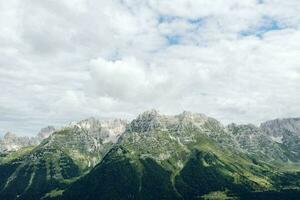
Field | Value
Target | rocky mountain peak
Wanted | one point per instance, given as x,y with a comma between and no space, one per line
9,136
88,123
186,114
150,114
196,118
114,124
89,133
146,121
93,125
286,132
248,129
279,127
12,142
115,128
46,132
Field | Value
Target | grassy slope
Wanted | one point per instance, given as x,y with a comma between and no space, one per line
32,173
171,168
15,154
142,167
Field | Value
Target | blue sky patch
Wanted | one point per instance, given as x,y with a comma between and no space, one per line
197,21
268,24
173,39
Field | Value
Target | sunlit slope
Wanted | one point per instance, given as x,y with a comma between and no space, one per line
50,167
160,157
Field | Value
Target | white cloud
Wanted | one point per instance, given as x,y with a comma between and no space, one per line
120,79
66,60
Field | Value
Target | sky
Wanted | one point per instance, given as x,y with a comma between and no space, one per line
66,60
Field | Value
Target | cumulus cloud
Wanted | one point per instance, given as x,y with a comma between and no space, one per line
66,60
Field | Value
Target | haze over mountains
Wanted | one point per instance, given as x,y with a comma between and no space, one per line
155,156
237,62
12,142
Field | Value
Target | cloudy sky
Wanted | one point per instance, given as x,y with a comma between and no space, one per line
66,60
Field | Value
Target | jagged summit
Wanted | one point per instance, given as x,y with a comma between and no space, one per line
151,146
9,135
286,132
233,127
189,152
45,132
189,114
149,115
198,119
146,121
153,113
11,142
92,122
65,155
152,119
89,133
278,127
106,130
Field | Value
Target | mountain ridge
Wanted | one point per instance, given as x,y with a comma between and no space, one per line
175,146
189,154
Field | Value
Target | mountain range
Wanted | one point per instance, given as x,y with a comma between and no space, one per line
155,156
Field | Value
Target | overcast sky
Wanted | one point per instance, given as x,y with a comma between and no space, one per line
66,60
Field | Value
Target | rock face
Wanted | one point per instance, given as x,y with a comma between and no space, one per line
286,132
277,140
171,157
58,160
86,141
156,156
253,141
152,119
12,142
45,132
106,130
278,127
